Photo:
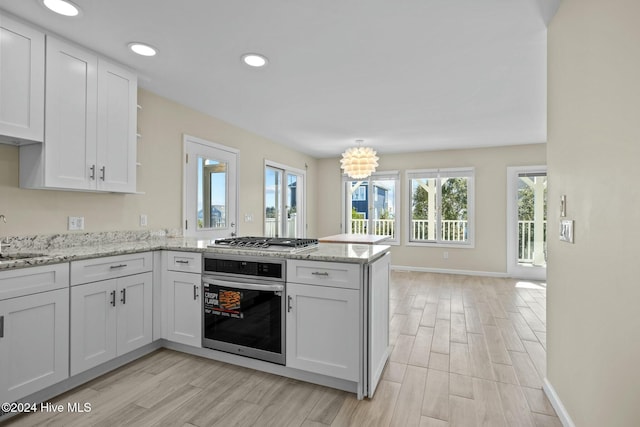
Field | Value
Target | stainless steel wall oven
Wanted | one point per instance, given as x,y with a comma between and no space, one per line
244,305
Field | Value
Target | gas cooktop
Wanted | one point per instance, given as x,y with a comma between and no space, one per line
276,244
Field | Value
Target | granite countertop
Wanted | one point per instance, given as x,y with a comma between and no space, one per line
93,245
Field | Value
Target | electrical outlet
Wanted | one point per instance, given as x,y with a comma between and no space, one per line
75,223
248,217
143,220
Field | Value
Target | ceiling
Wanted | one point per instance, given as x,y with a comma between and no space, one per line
404,76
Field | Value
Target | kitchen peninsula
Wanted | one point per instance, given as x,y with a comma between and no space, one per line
336,318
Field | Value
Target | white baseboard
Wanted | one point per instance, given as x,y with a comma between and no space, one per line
449,271
553,397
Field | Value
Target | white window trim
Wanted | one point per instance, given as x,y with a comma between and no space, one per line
469,173
303,202
394,174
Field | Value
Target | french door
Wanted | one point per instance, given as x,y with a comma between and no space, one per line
527,222
210,189
284,214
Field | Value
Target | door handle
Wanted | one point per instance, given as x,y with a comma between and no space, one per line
180,261
1,326
123,300
118,266
93,172
195,292
289,307
113,298
102,171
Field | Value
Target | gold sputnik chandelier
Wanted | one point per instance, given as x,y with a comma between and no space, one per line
359,162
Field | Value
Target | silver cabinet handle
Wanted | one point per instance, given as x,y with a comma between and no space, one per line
93,172
289,307
102,171
317,273
123,300
181,261
118,266
1,326
195,292
113,298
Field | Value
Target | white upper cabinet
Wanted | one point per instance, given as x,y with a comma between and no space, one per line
71,111
90,127
21,82
117,119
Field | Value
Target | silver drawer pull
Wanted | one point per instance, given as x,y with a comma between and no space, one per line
317,273
180,261
118,266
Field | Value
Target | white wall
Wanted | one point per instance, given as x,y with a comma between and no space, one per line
489,254
162,123
593,151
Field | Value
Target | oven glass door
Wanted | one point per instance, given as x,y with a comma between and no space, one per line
244,318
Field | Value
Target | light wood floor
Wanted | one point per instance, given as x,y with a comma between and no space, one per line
468,351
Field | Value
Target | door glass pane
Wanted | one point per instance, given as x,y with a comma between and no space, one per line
383,201
212,194
272,203
454,209
423,209
291,221
359,206
532,219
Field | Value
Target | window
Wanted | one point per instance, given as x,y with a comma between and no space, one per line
370,205
441,206
283,201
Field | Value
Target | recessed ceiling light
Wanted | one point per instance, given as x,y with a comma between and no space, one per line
254,60
62,7
143,49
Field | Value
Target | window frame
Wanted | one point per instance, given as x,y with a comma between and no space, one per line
387,175
439,175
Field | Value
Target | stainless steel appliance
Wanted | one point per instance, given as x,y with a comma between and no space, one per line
271,244
244,306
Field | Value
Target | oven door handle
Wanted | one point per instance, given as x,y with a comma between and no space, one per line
246,286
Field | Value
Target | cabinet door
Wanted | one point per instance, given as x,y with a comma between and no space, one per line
34,343
117,118
184,308
322,330
70,128
93,324
378,318
134,301
21,81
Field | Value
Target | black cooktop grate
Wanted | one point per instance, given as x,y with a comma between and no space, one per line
265,242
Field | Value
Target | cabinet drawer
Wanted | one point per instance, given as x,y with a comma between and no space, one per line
188,262
92,270
32,280
334,274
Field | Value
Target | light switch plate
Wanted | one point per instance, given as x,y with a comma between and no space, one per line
143,220
566,230
75,223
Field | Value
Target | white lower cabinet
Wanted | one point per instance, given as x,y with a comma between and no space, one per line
109,318
323,330
34,343
184,308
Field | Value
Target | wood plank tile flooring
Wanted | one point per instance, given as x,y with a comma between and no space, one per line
467,351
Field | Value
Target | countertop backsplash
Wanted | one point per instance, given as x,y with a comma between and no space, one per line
45,242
